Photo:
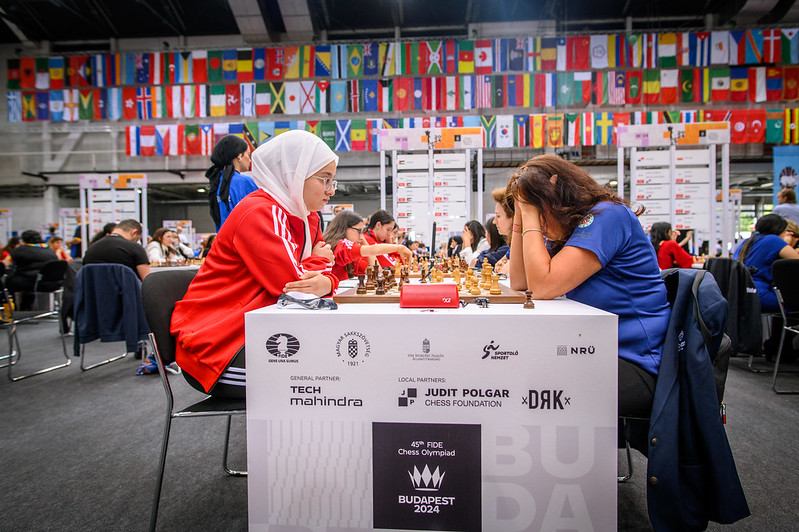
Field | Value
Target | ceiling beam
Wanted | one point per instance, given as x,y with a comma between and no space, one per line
250,20
297,20
16,30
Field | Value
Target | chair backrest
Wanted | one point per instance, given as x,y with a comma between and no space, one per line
160,291
785,273
51,276
735,282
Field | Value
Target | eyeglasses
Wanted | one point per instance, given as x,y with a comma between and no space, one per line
360,231
330,183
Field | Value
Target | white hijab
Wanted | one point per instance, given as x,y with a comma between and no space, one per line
281,166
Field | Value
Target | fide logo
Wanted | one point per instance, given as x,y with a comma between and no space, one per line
425,480
282,346
353,348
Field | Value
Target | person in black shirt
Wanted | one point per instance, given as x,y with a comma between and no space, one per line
27,260
121,247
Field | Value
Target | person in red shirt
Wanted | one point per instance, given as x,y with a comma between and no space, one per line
670,254
345,236
381,224
269,244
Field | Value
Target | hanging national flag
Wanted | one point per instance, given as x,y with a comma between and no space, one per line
790,126
354,60
450,61
516,54
450,90
772,46
719,47
114,103
686,86
385,96
498,91
188,101
146,141
388,59
28,106
85,104
56,67
27,73
132,141
549,53
617,51
537,130
247,96
42,81
700,47
774,129
582,88
617,83
202,101
756,125
715,115
402,93
275,63
169,139
291,99
369,95
600,89
262,99
80,70
684,49
565,95
370,59
466,57
738,131
667,50
737,46
141,66
156,65
669,117
599,52
500,51
634,86
467,93
587,129
572,129
307,61
545,90
504,131
635,50
651,86
483,57
42,105
773,83
532,59
789,46
342,135
13,73
322,61
514,86
199,66
520,139
739,84
754,46
98,69
232,100
790,83
622,119
277,93
57,106
229,66
406,61
354,96
650,50
192,136
338,97
668,86
489,125
719,84
483,91
688,117
71,105
554,131
217,100
604,128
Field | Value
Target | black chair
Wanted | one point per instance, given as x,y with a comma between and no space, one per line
785,273
49,280
108,307
160,292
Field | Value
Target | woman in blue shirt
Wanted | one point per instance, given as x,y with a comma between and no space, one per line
227,186
760,250
577,238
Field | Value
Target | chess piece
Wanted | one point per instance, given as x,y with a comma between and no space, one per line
528,299
475,290
495,289
380,289
361,284
424,274
456,276
370,283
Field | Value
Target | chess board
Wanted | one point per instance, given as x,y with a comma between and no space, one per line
508,295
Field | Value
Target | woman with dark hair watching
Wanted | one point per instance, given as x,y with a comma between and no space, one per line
670,254
27,260
497,248
227,186
344,234
575,237
454,246
379,231
474,241
759,252
13,243
107,228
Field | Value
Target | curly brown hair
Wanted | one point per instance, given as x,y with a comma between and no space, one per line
573,194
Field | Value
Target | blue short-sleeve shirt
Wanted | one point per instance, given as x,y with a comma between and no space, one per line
762,254
629,283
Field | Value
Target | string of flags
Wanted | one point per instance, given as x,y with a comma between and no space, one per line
775,47
391,95
777,126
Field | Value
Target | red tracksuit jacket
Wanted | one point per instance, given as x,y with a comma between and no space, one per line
256,252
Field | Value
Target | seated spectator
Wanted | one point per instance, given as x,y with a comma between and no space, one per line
787,207
107,228
165,247
56,243
474,241
207,245
27,260
497,248
791,234
121,247
759,252
669,252
13,242
454,246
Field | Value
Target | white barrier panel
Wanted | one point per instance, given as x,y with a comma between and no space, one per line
375,417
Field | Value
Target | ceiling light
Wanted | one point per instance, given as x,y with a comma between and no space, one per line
200,190
613,183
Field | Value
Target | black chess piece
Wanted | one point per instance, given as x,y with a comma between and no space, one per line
528,299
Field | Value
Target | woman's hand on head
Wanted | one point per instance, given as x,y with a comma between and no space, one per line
311,283
323,250
467,238
529,214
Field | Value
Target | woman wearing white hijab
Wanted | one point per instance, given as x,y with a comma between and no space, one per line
269,244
